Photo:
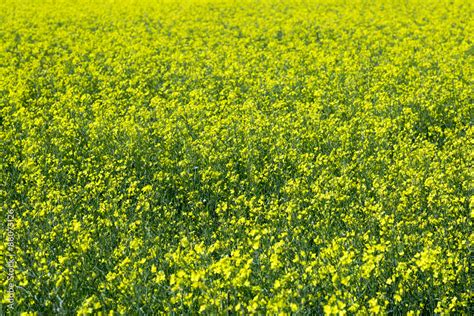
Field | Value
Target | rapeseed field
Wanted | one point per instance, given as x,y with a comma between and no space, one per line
236,157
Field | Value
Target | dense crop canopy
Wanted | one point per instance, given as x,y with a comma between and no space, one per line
242,156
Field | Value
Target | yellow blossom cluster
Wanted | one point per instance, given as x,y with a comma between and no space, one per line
236,157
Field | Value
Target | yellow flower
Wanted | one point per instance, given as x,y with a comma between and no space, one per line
374,306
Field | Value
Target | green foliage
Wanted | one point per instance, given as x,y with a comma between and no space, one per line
240,157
